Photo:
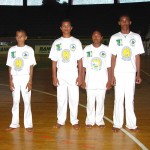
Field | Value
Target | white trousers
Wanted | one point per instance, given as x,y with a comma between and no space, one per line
95,116
125,88
20,83
67,92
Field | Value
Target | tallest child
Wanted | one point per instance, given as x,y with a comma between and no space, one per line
66,55
126,47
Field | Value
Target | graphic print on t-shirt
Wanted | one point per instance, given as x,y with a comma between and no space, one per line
102,54
18,64
132,42
13,54
119,42
96,63
126,53
25,55
59,47
72,47
66,55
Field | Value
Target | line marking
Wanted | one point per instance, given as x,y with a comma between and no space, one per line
141,145
146,73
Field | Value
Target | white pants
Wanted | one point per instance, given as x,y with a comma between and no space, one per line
95,116
66,91
20,83
125,87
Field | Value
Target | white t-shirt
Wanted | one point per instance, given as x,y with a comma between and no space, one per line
126,47
66,51
96,61
20,59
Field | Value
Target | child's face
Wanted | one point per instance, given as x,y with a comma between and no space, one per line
124,22
66,27
96,37
20,37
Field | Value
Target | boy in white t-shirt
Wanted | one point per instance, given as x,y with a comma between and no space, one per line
66,55
21,60
125,47
96,71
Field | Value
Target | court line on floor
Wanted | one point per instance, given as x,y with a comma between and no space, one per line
146,73
141,145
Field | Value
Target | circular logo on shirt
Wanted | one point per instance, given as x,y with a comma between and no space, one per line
126,53
102,54
96,63
25,55
66,56
132,42
18,64
72,47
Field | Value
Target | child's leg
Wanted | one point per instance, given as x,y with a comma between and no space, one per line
129,101
62,101
118,114
73,91
27,102
100,97
16,100
90,119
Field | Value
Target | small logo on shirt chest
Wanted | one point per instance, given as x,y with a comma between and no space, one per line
89,54
59,47
13,54
72,47
102,54
132,42
25,55
119,42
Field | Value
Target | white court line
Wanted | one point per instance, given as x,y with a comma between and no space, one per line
141,145
146,73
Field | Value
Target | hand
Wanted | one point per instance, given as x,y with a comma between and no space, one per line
138,80
79,81
108,85
55,81
11,86
83,85
29,86
113,81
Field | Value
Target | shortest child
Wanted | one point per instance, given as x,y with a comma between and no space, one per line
96,71
21,60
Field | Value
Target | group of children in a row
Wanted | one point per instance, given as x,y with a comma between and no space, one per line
96,69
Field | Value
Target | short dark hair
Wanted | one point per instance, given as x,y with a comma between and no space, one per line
21,30
124,15
66,20
97,31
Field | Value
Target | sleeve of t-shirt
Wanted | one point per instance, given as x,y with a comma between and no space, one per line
84,59
112,46
79,53
108,58
139,46
9,61
53,53
32,60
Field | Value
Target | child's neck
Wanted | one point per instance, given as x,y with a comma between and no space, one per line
21,45
66,35
125,31
96,45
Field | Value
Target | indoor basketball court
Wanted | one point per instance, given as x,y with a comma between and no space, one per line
44,106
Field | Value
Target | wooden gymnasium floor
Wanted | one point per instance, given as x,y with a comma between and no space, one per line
45,137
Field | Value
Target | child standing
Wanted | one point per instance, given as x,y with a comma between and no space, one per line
66,55
96,71
21,60
125,47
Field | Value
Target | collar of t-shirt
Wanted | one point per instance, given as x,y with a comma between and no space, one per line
125,35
